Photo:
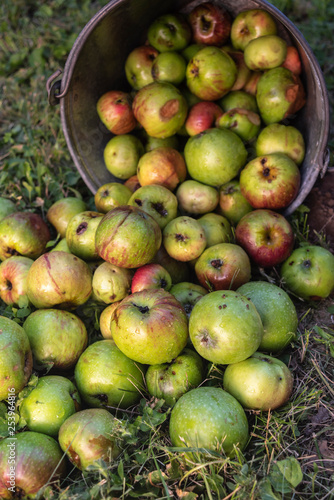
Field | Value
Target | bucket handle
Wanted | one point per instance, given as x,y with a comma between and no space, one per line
53,88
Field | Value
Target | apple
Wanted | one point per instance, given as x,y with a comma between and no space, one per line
114,109
121,155
7,207
61,246
80,234
223,266
105,319
309,272
127,237
196,198
57,338
217,229
169,381
169,67
149,277
243,72
232,204
59,279
156,200
280,138
184,238
49,404
270,181
169,32
160,108
210,24
250,24
280,94
15,358
138,66
13,280
132,183
88,436
251,84
107,378
29,461
260,382
111,195
164,166
179,271
188,294
23,233
214,156
191,49
266,236
156,142
245,123
111,283
292,60
201,116
238,99
211,73
62,211
265,52
277,311
208,418
150,327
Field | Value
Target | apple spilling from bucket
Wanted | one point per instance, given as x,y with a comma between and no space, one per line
204,166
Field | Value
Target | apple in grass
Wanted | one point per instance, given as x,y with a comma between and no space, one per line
270,181
184,238
210,24
111,195
114,109
23,233
260,382
62,211
138,66
169,32
266,236
250,24
201,116
151,276
222,267
196,198
309,272
111,283
188,294
232,203
13,280
150,327
156,200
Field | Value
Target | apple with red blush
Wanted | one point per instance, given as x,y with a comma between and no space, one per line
115,112
149,277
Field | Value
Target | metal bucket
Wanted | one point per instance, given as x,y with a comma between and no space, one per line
95,65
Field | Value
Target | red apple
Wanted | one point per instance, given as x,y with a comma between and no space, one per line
149,277
202,116
115,111
266,236
210,23
292,60
13,280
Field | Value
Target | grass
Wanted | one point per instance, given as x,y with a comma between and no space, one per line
291,452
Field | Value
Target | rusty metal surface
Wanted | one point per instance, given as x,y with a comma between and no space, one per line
95,65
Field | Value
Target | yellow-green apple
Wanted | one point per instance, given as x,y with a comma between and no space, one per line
15,358
188,293
150,327
278,314
169,32
280,138
169,381
214,156
23,233
13,280
111,283
260,382
292,60
107,378
196,198
128,237
211,419
238,99
280,94
105,319
80,234
270,181
265,52
138,66
250,24
156,200
164,166
59,279
223,266
61,246
62,211
111,195
169,67
211,73
232,204
201,116
217,229
53,399
28,462
192,49
88,436
210,24
225,327
184,238
243,122
114,109
151,276
57,338
309,272
266,236
121,155
156,142
160,108
7,207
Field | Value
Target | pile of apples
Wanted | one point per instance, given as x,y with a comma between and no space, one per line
205,167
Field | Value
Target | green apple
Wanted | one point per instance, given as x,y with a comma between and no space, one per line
188,294
260,382
196,198
217,229
238,99
111,283
111,195
62,211
121,155
138,66
156,200
265,52
169,32
169,67
184,238
232,203
279,138
246,124
250,24
80,234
